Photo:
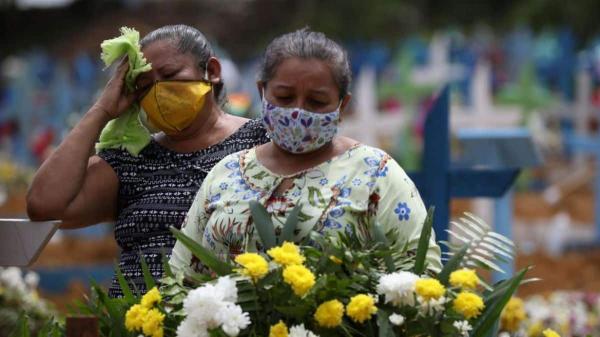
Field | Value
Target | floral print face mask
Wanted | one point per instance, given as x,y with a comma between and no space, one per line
297,130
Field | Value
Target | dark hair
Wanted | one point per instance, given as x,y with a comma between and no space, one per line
306,44
188,40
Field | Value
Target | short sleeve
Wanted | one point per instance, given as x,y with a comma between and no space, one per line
193,227
401,208
114,158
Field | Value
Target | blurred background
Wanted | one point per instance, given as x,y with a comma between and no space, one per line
519,72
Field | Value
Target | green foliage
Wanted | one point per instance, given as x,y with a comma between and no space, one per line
206,256
423,246
126,131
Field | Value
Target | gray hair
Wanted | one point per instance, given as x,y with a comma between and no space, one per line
188,40
307,44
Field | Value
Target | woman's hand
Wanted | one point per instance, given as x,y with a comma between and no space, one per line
115,99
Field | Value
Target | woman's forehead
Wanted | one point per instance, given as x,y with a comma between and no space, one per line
164,51
294,71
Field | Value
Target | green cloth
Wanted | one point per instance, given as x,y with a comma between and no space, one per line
126,131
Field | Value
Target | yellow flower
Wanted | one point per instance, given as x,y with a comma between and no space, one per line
464,278
255,266
361,308
286,255
153,323
300,278
329,314
468,304
550,333
135,317
535,329
335,259
512,315
150,298
429,289
278,330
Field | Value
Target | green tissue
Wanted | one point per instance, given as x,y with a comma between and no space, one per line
126,131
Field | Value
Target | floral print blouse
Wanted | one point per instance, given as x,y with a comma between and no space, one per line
360,186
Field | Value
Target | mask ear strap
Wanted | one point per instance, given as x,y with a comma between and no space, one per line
340,104
206,73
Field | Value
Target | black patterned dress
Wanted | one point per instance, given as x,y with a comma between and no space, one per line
156,189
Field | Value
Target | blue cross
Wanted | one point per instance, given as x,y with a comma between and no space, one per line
589,145
439,181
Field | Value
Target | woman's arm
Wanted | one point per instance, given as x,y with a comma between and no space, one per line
193,227
401,208
72,186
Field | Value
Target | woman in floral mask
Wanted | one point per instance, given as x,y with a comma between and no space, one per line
147,193
338,182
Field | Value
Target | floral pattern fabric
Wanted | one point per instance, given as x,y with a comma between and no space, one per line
357,188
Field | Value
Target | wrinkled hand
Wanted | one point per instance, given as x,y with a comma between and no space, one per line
115,99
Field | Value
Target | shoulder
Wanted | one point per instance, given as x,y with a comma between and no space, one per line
252,129
368,156
226,167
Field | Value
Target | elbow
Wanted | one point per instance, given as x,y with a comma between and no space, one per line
40,209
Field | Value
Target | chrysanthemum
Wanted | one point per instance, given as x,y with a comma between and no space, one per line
398,288
255,266
361,307
429,289
151,298
329,314
286,254
512,315
300,278
468,304
278,330
464,278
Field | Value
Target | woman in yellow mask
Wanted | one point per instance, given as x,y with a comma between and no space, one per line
147,193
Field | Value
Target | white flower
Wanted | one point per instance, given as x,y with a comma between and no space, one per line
32,280
191,328
13,279
202,304
396,319
300,331
227,287
213,306
398,287
431,307
463,327
502,334
233,319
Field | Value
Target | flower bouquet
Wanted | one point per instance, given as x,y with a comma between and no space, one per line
341,284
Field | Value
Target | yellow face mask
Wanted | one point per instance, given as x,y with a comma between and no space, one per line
172,106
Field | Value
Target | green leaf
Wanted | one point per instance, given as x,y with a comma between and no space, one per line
264,225
495,304
423,246
167,266
296,310
148,278
291,223
452,265
22,328
383,321
379,236
206,256
115,313
127,294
